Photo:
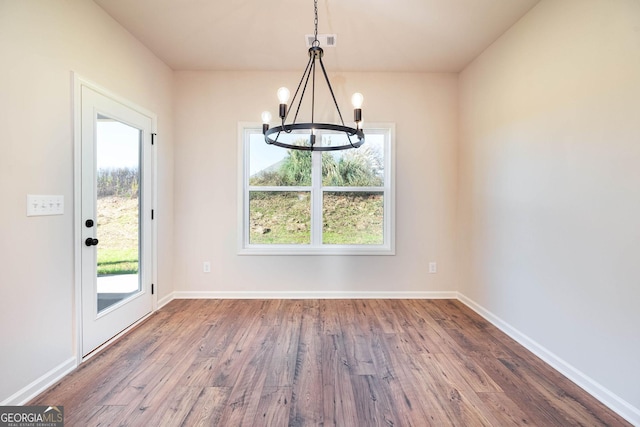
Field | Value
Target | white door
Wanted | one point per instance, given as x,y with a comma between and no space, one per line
116,188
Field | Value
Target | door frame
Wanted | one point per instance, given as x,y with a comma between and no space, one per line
77,83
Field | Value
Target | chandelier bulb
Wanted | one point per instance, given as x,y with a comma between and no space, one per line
266,117
357,100
283,95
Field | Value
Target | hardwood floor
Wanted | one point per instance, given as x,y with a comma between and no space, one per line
320,362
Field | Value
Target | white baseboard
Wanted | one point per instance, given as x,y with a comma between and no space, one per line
313,295
41,384
608,398
165,300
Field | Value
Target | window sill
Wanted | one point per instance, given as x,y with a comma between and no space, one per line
303,250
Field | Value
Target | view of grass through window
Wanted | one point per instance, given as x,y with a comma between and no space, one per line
117,208
280,217
351,214
352,218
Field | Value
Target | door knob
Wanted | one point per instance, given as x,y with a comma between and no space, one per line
91,242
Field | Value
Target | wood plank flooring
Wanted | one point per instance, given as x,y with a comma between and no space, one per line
320,362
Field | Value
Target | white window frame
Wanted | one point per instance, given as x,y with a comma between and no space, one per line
316,190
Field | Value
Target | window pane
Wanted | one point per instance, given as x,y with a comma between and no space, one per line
361,167
352,218
270,165
279,217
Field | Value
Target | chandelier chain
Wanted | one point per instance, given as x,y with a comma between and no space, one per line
315,23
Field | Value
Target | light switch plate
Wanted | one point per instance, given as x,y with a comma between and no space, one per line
38,205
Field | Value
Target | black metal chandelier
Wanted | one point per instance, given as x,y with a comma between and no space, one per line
354,135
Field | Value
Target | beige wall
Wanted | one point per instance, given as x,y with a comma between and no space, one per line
41,43
530,157
208,107
549,178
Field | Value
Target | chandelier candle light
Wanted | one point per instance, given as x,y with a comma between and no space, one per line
352,133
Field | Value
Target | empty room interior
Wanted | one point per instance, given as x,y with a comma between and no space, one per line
168,258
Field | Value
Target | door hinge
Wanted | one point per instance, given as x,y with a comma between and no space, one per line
152,214
153,138
152,290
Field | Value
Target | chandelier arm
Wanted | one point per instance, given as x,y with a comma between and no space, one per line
293,100
304,88
275,141
313,91
335,102
326,77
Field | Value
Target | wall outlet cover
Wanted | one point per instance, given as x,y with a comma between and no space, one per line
433,267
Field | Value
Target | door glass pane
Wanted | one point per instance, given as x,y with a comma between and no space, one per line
118,211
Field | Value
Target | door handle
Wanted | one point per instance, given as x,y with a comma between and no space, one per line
91,242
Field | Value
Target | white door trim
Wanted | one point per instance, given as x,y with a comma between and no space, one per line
76,84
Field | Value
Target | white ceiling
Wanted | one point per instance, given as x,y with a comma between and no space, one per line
372,35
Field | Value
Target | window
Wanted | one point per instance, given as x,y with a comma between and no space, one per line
301,202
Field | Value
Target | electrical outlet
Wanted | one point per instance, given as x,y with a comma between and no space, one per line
433,267
206,267
44,205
